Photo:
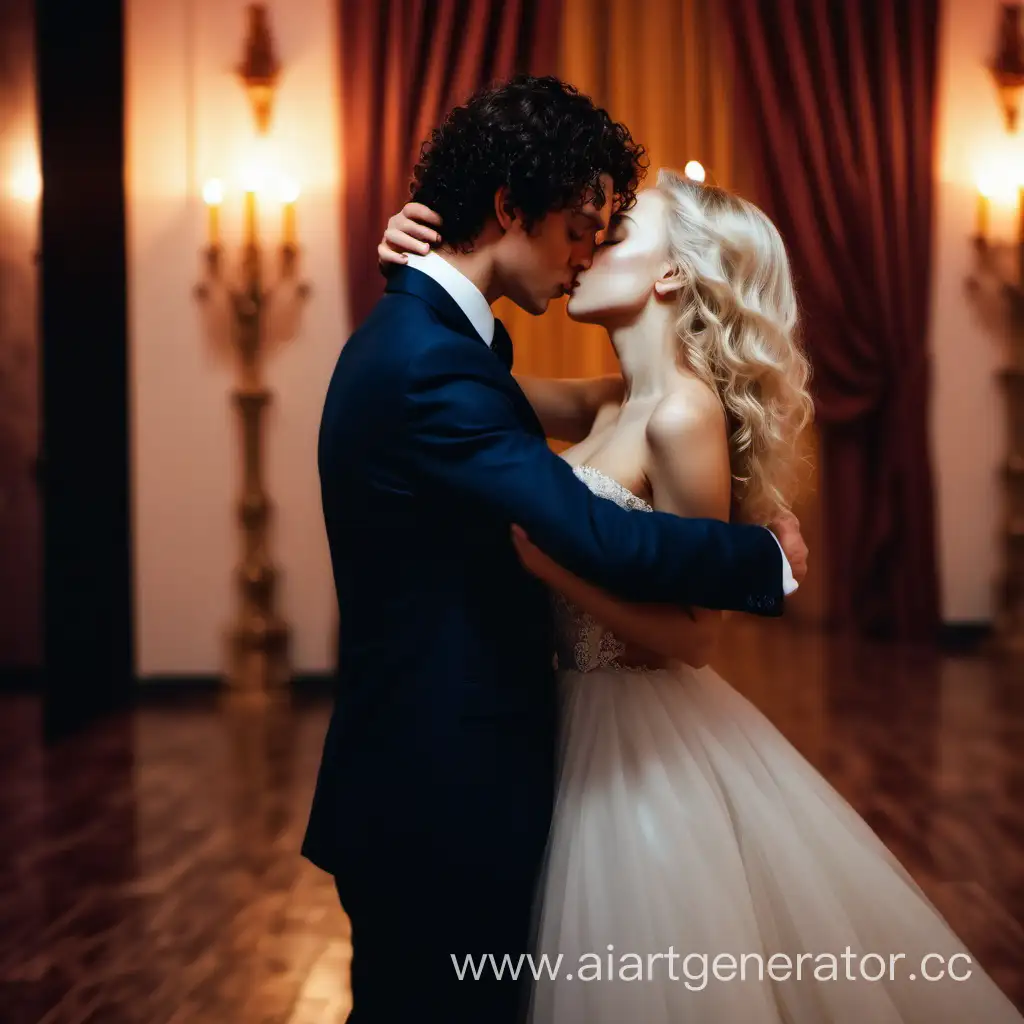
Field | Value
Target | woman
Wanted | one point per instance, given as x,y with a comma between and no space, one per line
699,869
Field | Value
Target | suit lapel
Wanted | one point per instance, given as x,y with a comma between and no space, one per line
408,281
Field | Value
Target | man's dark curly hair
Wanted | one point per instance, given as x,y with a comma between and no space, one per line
539,137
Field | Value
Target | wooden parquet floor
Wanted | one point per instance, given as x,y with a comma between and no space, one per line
149,868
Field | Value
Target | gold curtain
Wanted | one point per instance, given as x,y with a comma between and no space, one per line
663,68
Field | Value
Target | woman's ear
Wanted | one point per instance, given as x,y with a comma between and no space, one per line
670,281
503,210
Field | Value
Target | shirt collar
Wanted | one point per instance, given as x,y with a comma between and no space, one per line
467,296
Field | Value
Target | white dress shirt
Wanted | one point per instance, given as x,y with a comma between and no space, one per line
467,296
471,301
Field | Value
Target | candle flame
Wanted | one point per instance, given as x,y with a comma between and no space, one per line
213,192
999,180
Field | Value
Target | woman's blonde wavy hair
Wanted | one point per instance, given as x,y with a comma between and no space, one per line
737,323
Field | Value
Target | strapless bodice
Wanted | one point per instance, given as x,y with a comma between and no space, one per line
582,643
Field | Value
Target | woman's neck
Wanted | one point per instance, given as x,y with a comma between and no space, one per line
648,353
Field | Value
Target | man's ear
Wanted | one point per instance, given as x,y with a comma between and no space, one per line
670,281
503,211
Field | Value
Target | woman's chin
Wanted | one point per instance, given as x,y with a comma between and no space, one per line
579,312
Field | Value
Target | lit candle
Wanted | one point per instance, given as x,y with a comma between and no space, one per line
250,217
213,196
985,190
289,196
694,170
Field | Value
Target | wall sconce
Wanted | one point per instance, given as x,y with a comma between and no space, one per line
259,69
259,639
997,286
1007,68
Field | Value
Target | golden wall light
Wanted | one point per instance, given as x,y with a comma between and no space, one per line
997,285
249,292
259,69
1007,67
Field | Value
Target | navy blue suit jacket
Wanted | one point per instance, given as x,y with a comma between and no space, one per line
443,735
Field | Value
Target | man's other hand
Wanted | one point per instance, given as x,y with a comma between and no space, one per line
787,529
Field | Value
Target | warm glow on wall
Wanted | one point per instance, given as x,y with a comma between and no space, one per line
288,189
26,183
257,165
254,178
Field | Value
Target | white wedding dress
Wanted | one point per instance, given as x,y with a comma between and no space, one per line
686,823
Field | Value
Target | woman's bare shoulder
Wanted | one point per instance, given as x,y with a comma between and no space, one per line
690,411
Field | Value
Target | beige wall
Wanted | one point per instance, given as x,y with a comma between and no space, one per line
968,433
187,120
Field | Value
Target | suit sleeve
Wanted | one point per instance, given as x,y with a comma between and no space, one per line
464,437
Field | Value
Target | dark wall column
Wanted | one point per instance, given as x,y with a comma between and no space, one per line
20,518
87,620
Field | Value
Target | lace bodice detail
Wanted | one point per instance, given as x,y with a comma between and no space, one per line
583,644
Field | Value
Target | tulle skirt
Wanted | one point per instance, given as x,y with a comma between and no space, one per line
700,871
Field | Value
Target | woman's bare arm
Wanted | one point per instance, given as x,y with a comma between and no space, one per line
567,408
690,476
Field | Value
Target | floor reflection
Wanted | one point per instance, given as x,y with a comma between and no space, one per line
149,871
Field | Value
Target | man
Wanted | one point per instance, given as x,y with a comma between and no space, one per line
434,796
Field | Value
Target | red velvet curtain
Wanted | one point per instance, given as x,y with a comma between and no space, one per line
842,97
404,64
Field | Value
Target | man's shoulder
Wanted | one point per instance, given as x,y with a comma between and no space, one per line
410,328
